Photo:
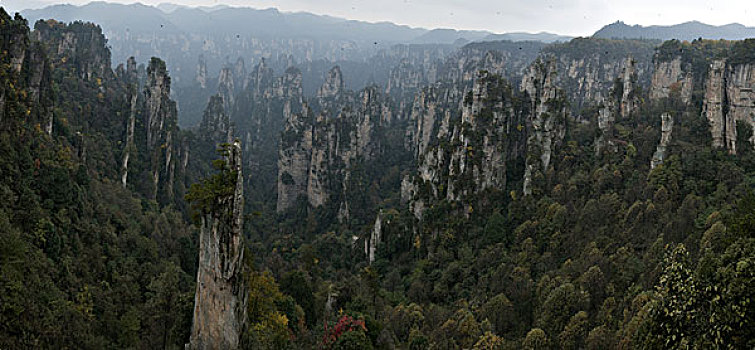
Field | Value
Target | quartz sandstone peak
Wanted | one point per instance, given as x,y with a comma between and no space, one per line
333,84
221,295
546,122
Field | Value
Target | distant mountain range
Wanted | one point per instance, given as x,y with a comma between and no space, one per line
522,36
684,31
172,18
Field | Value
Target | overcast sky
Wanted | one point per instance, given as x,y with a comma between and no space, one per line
569,17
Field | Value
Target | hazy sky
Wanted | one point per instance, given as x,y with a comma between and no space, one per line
571,17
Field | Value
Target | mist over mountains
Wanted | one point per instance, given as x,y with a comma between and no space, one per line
194,178
197,42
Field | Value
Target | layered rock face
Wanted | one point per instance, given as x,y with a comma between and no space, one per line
376,235
473,149
221,295
21,52
226,89
294,159
621,102
161,122
721,128
669,76
130,78
216,123
333,84
430,116
78,45
740,96
137,114
729,98
667,126
321,143
260,115
725,76
201,75
588,67
546,121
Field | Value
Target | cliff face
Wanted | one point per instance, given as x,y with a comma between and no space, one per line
216,123
740,96
130,78
430,116
260,115
667,126
201,75
588,67
721,128
669,76
27,72
78,45
722,74
508,59
729,99
294,159
621,102
321,143
161,123
546,121
221,294
226,89
472,149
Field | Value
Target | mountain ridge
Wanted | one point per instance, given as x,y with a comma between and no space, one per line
347,28
689,31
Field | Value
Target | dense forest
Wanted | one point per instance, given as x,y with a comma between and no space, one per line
520,218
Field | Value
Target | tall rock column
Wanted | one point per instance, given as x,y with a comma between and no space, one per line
547,119
667,126
161,122
713,106
221,296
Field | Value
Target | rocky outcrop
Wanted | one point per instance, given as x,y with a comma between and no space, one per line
430,116
668,76
294,159
729,99
216,123
474,149
131,80
321,144
740,97
721,128
226,89
79,46
27,72
546,122
667,126
259,117
240,74
723,71
221,295
333,85
376,234
589,66
201,75
15,40
161,124
621,102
